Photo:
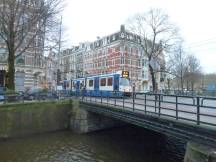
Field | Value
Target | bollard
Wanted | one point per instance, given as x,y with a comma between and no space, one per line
198,111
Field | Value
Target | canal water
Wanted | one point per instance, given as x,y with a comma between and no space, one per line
126,144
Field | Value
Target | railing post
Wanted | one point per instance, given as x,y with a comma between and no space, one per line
202,101
194,101
145,102
198,111
86,95
107,99
115,97
101,97
159,105
176,107
155,103
123,101
133,100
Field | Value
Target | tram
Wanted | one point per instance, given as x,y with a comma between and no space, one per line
107,85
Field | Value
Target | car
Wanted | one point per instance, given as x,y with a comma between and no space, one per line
2,98
2,93
40,95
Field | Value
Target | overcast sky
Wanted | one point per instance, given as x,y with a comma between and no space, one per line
84,20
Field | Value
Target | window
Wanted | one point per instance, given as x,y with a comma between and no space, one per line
122,60
110,80
103,82
90,83
124,82
144,62
117,49
113,38
110,50
146,74
139,62
74,84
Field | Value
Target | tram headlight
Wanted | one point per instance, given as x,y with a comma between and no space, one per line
127,89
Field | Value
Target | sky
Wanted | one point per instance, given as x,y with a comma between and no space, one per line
84,20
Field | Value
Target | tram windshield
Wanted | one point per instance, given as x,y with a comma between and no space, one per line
124,82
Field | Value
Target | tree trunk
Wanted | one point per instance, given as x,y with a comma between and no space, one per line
11,55
11,70
182,84
192,85
188,87
153,78
168,83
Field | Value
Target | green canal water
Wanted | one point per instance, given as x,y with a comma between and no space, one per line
127,144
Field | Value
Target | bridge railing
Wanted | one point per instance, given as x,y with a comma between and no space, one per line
193,109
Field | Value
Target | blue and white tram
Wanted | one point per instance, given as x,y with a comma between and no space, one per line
107,85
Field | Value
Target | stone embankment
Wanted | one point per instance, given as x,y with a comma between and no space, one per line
17,120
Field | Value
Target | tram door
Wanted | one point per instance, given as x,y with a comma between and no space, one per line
116,82
96,83
77,85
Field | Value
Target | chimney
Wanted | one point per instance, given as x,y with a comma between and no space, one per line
122,28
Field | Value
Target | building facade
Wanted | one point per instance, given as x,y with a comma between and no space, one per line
29,67
119,51
29,70
50,70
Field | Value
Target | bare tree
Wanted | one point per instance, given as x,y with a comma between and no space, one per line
23,26
194,71
178,65
158,36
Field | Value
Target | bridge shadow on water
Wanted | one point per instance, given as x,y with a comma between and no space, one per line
141,145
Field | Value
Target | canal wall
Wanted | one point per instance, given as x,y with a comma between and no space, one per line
199,153
31,118
21,119
83,121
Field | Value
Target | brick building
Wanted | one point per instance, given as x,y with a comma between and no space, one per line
118,51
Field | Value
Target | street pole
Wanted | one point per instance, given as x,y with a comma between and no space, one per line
59,50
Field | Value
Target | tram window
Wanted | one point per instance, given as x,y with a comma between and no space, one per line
90,83
110,82
67,84
103,82
74,84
